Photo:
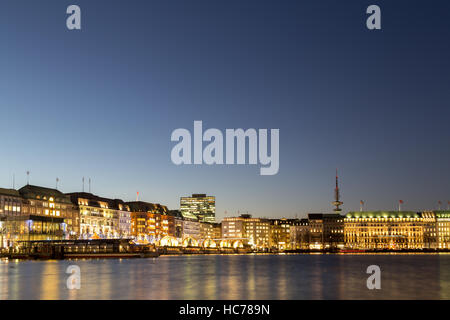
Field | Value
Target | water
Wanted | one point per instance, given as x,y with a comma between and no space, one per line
409,276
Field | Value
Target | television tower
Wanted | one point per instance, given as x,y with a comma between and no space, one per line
337,199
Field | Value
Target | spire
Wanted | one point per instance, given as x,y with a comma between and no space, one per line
337,198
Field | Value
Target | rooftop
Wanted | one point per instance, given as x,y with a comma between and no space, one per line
382,214
9,192
36,192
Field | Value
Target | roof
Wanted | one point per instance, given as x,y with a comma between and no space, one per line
320,216
142,206
33,192
93,200
9,192
382,214
442,213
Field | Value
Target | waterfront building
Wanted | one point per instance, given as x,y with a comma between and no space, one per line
436,229
48,214
299,235
210,230
35,213
124,219
150,222
254,232
99,217
326,230
442,229
200,205
430,232
191,230
10,206
10,203
280,233
384,230
178,222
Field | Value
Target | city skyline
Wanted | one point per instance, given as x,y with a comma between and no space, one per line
102,102
438,205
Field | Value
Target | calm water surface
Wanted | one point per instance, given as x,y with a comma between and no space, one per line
414,276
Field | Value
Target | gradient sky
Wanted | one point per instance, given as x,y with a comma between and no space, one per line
102,102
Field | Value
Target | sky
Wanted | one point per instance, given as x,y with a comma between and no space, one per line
102,102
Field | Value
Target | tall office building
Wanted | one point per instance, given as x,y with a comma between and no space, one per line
200,205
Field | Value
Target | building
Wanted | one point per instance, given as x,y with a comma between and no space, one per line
124,219
10,203
49,214
210,230
299,235
326,230
436,229
254,232
150,222
10,207
36,213
280,238
200,205
100,218
178,221
191,229
384,230
430,230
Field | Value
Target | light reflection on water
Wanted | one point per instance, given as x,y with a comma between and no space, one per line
415,276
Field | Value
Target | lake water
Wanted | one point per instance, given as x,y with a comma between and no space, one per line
403,276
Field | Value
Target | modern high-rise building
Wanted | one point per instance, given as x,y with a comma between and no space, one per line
200,205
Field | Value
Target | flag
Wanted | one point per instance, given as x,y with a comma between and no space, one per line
400,201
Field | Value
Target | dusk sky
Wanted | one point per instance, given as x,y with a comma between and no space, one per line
102,102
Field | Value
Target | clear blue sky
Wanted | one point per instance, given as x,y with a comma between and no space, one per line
102,102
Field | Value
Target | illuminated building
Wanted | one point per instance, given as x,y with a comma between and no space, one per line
442,229
430,232
280,233
24,216
299,235
326,230
99,217
208,230
254,232
384,230
150,222
124,219
201,206
10,202
178,221
436,229
45,206
191,229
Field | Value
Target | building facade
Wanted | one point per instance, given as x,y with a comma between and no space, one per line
49,213
150,222
280,233
299,235
100,218
201,206
253,232
384,230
